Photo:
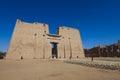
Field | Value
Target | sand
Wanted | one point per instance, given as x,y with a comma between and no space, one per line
52,70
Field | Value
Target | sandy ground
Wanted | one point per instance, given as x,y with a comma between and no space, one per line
52,70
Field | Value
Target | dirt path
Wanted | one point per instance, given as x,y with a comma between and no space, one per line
52,70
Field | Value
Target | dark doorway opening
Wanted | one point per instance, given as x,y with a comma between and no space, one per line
54,50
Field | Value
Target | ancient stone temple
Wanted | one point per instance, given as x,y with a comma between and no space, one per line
33,41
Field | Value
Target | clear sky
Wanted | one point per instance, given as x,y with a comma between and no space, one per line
97,20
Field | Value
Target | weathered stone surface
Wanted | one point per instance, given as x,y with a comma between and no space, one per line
31,41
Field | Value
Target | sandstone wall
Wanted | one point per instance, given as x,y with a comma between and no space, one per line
32,40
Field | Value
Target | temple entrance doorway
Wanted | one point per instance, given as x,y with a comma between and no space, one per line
54,50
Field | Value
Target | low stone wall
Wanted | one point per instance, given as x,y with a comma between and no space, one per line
97,64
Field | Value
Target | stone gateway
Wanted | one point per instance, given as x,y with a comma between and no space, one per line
33,41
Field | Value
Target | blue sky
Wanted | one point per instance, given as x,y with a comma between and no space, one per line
97,20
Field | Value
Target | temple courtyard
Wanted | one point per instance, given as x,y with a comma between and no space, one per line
37,69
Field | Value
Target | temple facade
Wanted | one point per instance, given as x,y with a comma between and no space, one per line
33,41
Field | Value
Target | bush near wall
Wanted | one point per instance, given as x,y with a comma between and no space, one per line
2,54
